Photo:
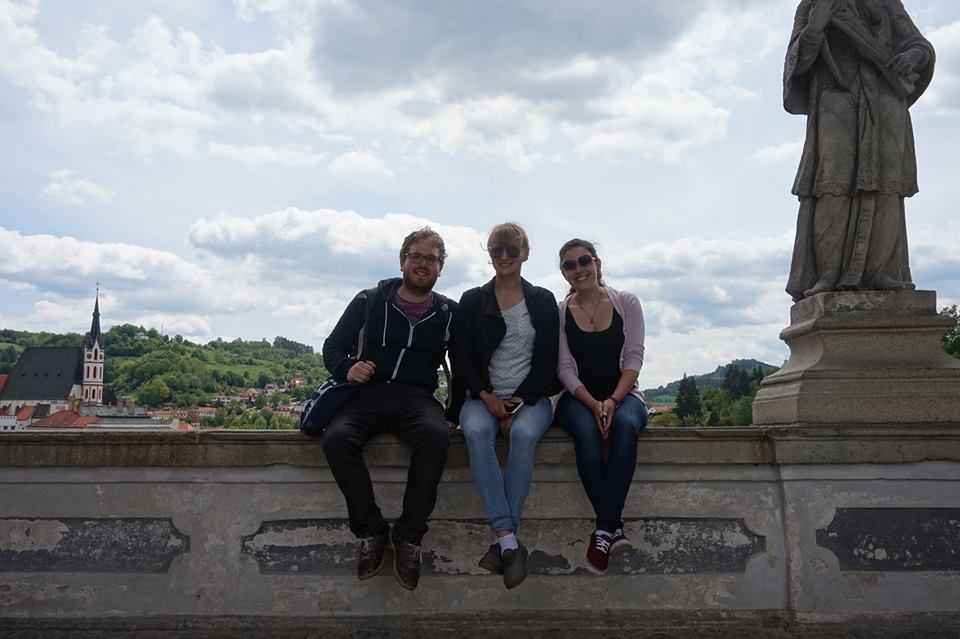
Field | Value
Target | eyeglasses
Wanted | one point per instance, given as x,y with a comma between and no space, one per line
496,252
420,258
584,260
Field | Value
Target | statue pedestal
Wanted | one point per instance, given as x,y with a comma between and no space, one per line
871,357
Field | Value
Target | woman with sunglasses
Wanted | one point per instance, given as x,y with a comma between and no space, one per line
505,354
601,352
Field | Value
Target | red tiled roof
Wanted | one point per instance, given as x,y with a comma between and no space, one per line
65,419
3,381
60,419
25,413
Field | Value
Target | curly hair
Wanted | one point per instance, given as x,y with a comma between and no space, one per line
426,233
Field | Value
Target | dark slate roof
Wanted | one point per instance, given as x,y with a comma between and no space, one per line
44,373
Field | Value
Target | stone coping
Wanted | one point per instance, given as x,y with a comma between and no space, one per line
772,446
584,624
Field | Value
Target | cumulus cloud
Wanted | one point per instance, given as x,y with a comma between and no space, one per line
67,187
339,246
148,278
359,164
516,83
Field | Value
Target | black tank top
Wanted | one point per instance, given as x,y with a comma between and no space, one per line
597,355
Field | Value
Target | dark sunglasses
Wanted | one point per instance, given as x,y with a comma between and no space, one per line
496,252
583,260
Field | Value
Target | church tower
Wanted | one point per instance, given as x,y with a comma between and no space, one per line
93,359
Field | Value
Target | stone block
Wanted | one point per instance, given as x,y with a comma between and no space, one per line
871,357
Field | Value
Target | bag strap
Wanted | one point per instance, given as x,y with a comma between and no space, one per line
367,297
447,318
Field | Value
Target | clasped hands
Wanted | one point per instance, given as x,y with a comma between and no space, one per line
603,412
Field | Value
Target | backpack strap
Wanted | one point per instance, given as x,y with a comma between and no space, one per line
447,318
367,297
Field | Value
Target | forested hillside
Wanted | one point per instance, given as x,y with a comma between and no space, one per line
159,369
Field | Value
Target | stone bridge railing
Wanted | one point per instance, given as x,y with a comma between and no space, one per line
743,530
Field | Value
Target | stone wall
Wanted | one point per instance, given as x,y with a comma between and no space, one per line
801,526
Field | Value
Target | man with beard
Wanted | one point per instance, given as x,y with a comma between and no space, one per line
406,339
854,67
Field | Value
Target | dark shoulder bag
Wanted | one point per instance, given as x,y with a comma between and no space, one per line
332,394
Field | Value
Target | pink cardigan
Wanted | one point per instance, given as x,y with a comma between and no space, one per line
628,306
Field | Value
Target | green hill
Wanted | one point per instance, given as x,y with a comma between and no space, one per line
160,369
666,395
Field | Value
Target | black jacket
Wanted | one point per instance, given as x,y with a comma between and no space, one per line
479,329
402,353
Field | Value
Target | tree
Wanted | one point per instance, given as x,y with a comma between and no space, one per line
688,402
951,341
665,420
736,383
154,392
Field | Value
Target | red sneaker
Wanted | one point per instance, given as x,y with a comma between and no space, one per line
598,554
620,543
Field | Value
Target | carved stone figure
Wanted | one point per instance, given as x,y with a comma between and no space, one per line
854,67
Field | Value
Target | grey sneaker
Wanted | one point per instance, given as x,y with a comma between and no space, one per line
370,551
514,567
406,561
491,560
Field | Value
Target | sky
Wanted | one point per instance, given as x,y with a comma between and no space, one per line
241,169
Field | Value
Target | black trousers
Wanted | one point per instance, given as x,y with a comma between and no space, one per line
411,414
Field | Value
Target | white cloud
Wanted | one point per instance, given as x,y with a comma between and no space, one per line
785,151
343,247
359,164
943,95
147,278
589,83
67,187
195,328
289,155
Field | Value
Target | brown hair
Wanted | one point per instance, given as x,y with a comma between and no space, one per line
509,233
426,233
589,248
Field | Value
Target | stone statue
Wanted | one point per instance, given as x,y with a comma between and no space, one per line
853,68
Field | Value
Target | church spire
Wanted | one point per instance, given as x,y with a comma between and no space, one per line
94,336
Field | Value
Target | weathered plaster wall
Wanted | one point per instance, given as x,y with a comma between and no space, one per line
817,524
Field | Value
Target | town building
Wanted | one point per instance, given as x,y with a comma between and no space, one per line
49,379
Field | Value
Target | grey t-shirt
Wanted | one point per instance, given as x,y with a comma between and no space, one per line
510,363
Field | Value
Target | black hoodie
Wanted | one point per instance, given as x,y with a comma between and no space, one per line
402,353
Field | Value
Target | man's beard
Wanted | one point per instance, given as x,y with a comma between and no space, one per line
413,287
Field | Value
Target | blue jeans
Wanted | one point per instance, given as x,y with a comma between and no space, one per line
607,481
502,493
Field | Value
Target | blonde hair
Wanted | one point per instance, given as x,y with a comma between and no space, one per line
509,233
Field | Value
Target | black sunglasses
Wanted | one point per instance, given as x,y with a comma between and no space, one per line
496,252
583,260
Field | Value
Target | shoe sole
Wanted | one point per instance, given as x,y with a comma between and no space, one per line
492,568
373,574
396,572
593,569
620,548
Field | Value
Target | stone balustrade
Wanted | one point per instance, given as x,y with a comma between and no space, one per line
738,531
